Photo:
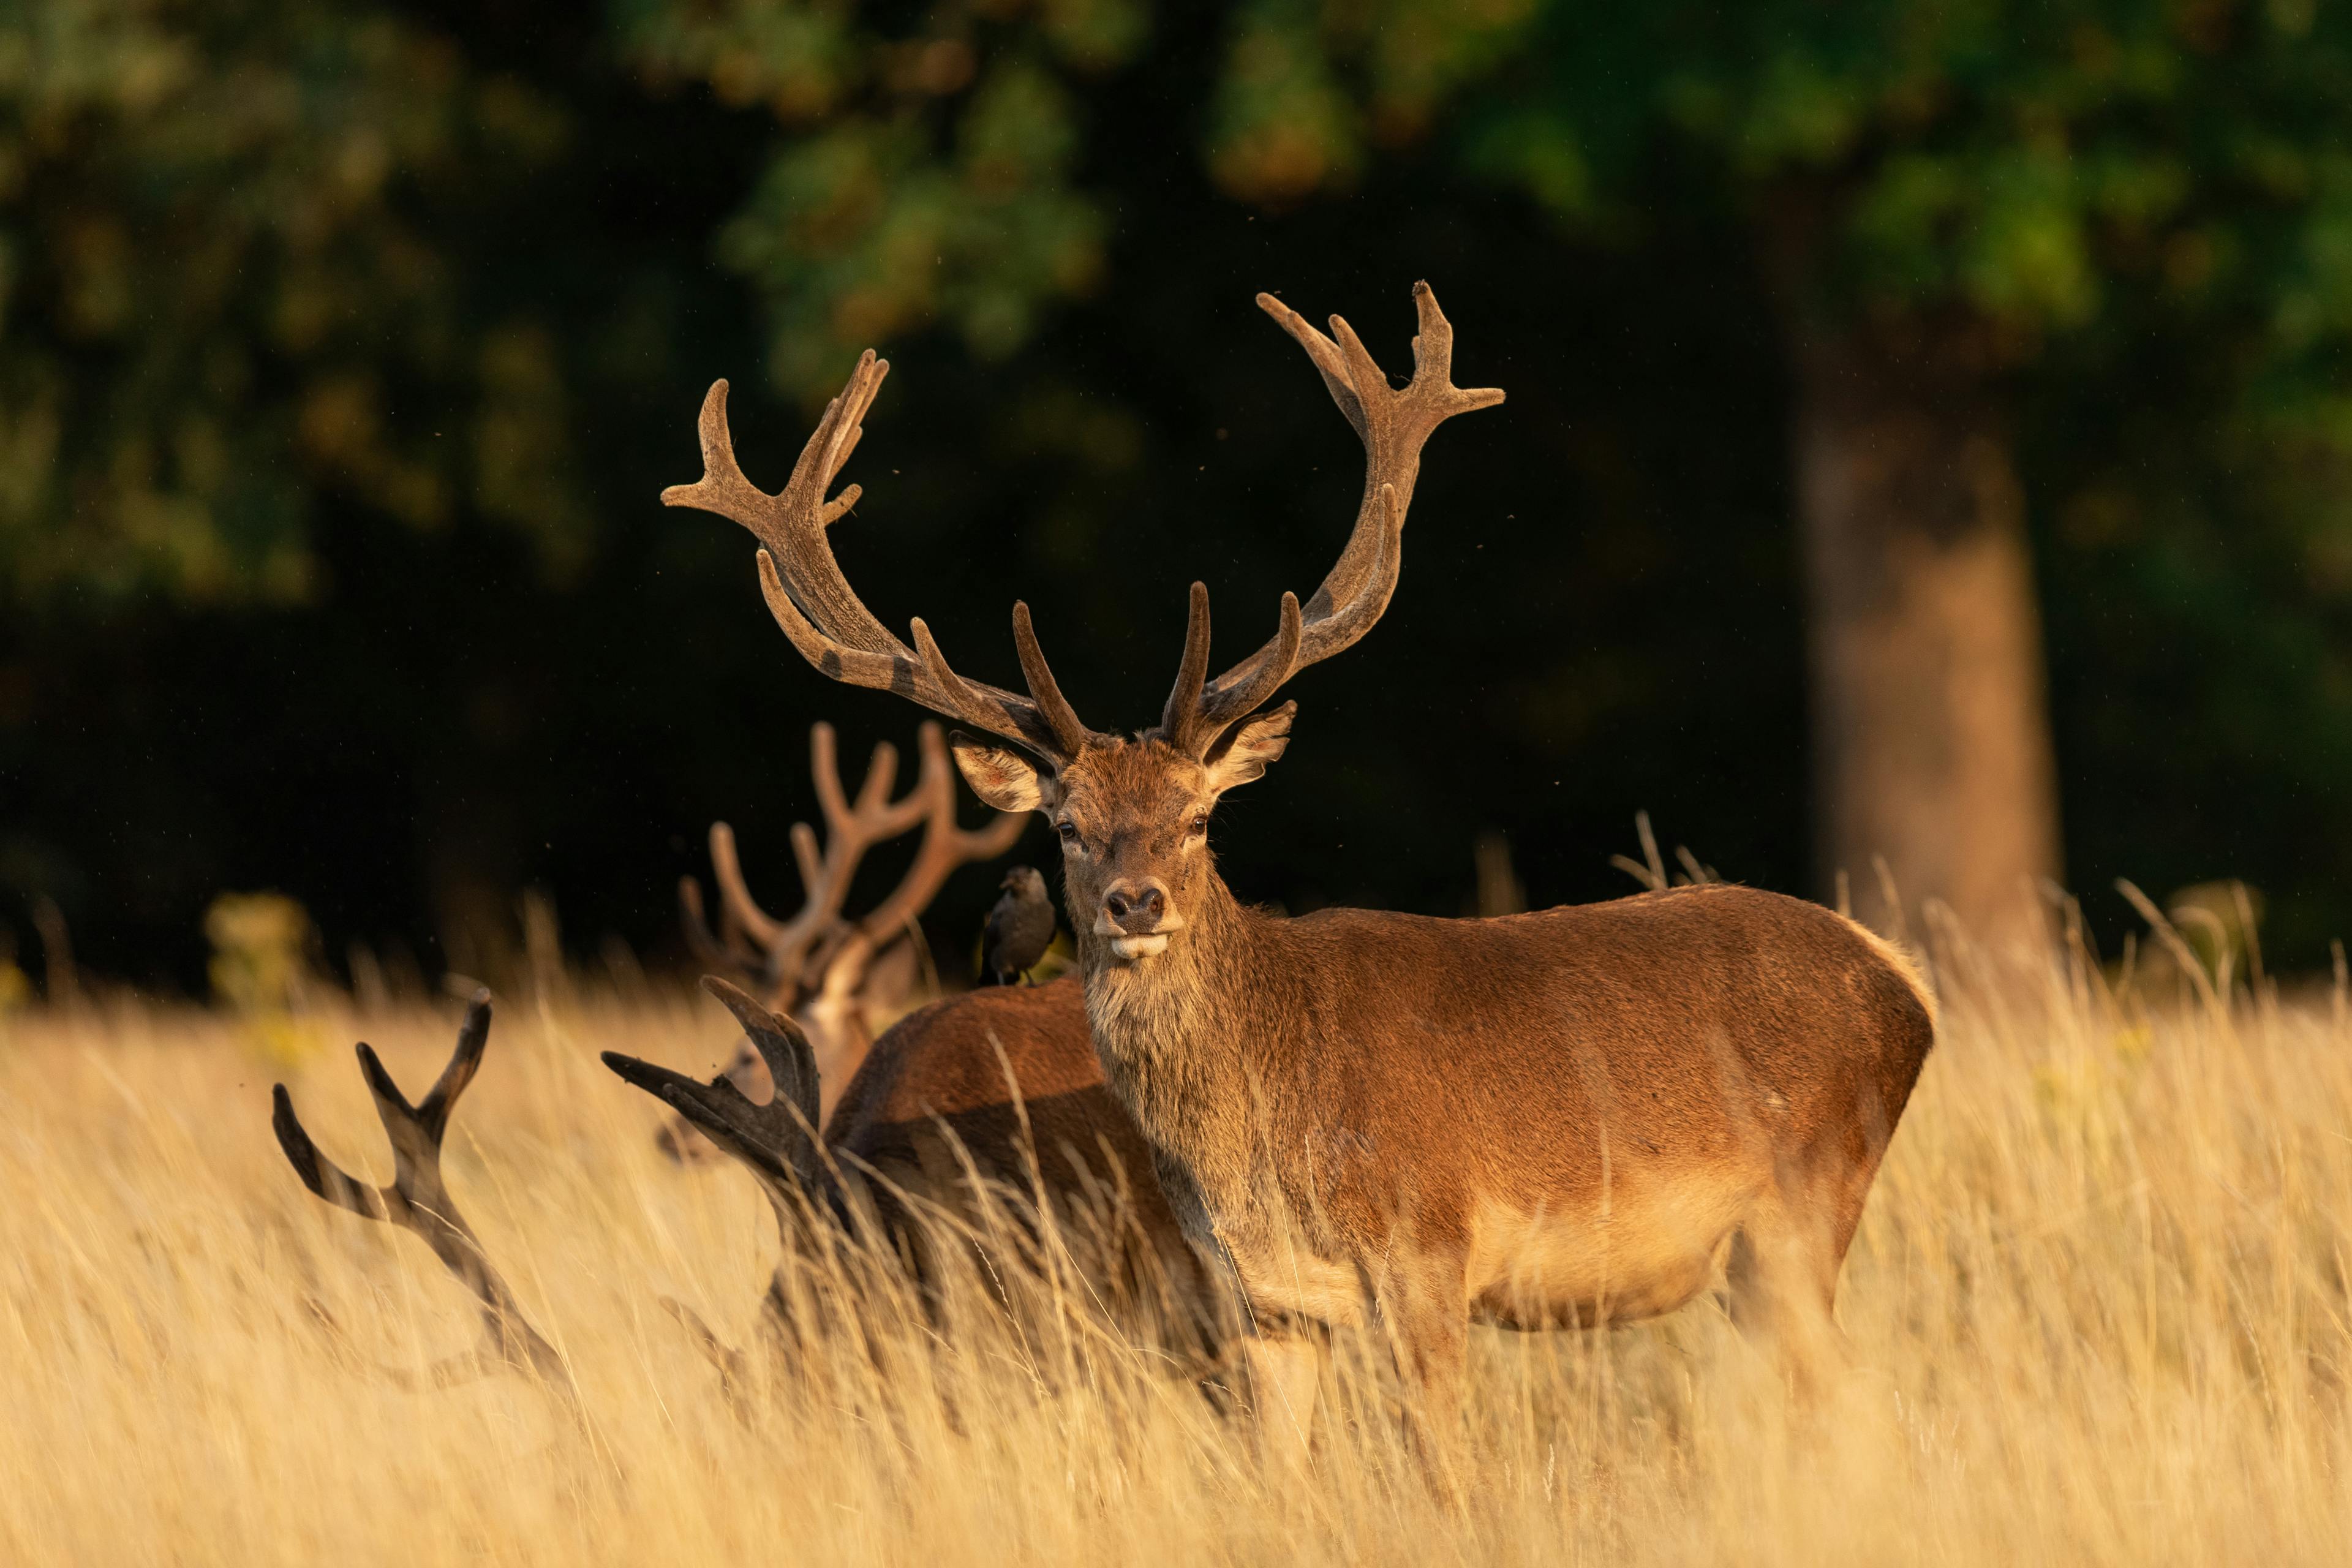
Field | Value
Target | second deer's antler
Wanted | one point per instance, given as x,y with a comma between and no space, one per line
418,1202
777,1141
787,956
945,847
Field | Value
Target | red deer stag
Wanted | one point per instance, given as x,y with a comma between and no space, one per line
1566,1117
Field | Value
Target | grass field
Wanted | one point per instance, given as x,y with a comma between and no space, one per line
2098,1313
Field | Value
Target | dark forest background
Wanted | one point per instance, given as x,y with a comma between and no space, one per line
344,349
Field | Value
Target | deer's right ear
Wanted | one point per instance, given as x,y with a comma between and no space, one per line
1243,751
1000,776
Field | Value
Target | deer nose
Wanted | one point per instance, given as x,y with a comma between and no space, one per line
1136,907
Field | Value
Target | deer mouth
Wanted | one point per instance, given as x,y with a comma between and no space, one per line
1152,944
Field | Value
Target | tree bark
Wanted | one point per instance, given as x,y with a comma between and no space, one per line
1931,728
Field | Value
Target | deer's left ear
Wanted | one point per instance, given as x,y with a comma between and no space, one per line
1242,753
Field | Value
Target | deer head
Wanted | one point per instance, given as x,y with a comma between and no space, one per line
1132,813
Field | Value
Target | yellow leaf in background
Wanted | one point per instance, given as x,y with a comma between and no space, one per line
282,1041
260,950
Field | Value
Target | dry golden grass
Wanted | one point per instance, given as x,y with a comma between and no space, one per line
2098,1312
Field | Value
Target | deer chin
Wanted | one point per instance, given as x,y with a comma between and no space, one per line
1134,949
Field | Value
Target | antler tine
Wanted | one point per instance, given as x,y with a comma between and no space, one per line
849,830
1229,702
945,846
852,830
742,911
876,814
987,707
1183,705
777,1142
418,1202
812,600
825,772
1069,735
792,1064
718,951
1194,719
784,946
724,489
750,941
1393,426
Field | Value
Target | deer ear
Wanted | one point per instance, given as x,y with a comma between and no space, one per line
1004,779
1242,753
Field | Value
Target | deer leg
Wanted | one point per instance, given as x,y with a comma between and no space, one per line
1783,1277
1285,1372
1423,1308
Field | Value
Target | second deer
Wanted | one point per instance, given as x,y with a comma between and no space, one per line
997,1090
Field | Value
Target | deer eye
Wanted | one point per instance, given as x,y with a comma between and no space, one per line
1201,826
1067,829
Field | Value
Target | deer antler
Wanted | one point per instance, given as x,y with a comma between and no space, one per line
783,955
418,1202
812,601
1394,426
819,953
777,1141
945,847
819,611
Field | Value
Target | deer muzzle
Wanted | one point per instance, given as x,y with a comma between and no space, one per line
1139,917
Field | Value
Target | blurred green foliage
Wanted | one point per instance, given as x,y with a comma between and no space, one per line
262,969
2039,165
238,264
235,277
935,172
344,346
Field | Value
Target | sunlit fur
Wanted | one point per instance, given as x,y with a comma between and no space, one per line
1564,1116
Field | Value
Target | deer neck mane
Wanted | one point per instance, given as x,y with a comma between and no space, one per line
1170,1033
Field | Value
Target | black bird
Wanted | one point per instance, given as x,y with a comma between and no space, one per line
1019,928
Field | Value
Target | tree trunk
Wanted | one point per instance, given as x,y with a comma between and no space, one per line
1931,731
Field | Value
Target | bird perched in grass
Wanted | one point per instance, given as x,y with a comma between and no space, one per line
1019,928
